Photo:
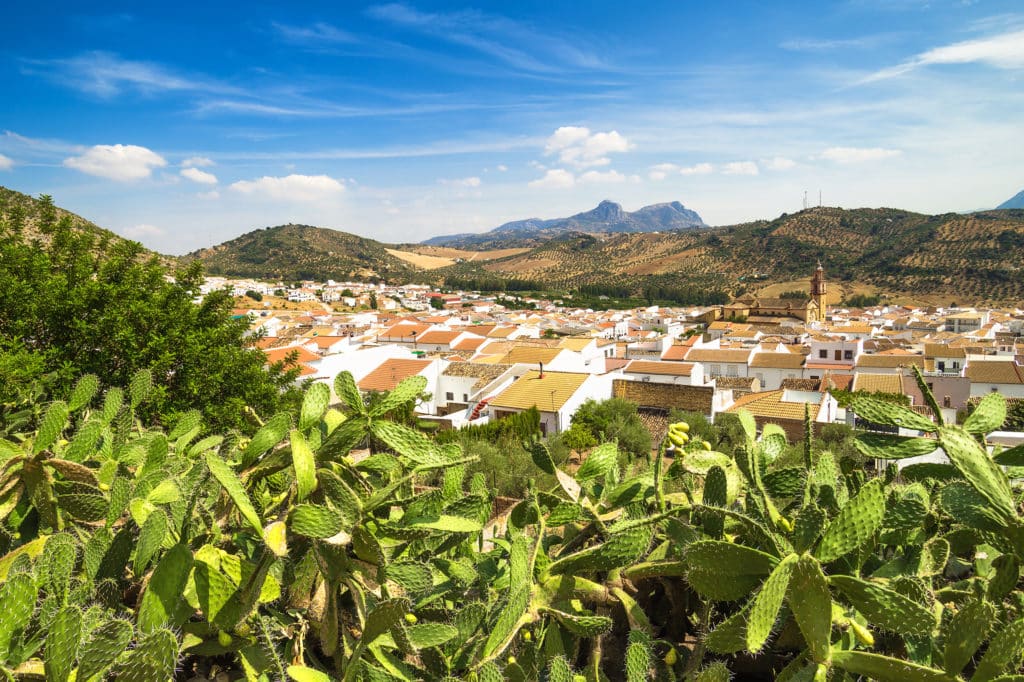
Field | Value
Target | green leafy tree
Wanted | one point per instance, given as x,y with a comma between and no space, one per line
615,419
87,307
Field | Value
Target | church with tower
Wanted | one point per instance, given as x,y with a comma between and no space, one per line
777,310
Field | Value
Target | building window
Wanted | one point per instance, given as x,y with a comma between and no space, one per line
449,396
731,370
823,354
465,397
847,355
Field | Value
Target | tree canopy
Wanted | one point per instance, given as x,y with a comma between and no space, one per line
73,303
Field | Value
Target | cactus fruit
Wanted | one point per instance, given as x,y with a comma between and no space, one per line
857,522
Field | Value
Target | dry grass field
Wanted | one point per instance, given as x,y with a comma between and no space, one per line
433,257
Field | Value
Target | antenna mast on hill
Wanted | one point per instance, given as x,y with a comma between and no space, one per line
819,198
805,200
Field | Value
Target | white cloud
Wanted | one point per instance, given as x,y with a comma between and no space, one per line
462,182
698,169
661,171
579,147
291,187
779,163
121,162
605,176
143,231
858,154
209,196
502,167
196,175
555,178
740,168
197,162
6,163
1004,51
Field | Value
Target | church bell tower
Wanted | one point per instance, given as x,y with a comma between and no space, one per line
818,290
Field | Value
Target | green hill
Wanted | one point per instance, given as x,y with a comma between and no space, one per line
297,252
30,216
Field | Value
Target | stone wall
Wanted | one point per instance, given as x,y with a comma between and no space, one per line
665,396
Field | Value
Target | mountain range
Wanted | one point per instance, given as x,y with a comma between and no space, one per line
607,217
1016,201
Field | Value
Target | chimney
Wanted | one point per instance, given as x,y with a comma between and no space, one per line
541,370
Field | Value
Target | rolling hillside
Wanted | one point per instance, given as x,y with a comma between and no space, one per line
30,213
297,252
975,256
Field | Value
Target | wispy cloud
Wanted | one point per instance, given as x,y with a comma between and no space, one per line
319,33
144,230
554,178
830,44
197,162
472,181
495,36
6,163
1004,51
858,154
106,74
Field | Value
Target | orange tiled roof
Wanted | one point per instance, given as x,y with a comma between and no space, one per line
675,353
390,372
437,336
279,354
679,369
777,361
769,404
718,355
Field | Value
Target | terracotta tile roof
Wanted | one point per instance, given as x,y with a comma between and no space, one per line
735,382
390,372
769,404
777,361
549,394
611,364
501,332
885,361
437,336
469,343
324,341
720,325
839,366
995,372
841,382
675,352
718,355
679,369
279,354
402,332
575,344
801,384
940,350
530,354
306,370
878,383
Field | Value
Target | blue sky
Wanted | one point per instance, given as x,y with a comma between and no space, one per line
186,125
